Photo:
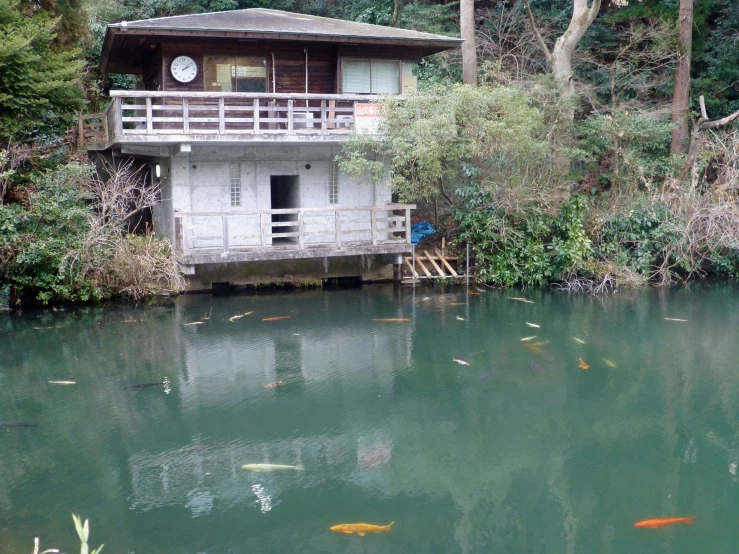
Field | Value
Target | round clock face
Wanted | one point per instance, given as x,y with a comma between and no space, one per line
184,69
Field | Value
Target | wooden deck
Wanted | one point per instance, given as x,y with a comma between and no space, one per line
258,235
163,118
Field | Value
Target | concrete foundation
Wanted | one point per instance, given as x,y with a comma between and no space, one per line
311,270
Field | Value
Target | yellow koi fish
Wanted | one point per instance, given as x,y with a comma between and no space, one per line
520,299
533,325
261,468
278,318
62,382
527,339
579,341
361,529
583,364
609,363
392,319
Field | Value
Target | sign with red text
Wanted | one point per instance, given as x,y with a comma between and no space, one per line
367,118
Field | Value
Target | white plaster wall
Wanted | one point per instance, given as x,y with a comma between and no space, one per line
200,182
162,216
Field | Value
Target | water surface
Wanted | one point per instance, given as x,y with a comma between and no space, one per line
519,452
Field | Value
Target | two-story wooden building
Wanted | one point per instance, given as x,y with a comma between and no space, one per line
240,115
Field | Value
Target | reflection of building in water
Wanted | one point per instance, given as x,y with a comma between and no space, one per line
222,370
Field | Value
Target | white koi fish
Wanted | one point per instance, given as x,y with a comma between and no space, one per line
460,362
261,468
579,341
62,382
527,339
533,325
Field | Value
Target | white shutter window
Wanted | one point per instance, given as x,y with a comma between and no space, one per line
356,77
385,77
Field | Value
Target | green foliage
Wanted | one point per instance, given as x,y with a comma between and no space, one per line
35,239
38,86
627,150
428,139
530,247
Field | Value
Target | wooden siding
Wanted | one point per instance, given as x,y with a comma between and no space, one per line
289,64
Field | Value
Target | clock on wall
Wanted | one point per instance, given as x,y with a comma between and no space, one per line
184,69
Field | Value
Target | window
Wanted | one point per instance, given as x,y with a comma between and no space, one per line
333,184
235,180
373,76
228,74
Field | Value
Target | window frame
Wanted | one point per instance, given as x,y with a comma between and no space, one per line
400,63
234,182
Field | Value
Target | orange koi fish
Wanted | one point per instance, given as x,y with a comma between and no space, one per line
278,318
361,529
583,365
473,293
664,522
275,385
392,319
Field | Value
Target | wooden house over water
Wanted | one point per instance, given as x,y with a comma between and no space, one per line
240,116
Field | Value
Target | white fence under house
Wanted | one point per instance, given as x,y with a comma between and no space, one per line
210,237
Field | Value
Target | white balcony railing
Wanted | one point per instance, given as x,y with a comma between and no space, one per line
209,237
155,115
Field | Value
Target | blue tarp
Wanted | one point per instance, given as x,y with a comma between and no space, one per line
420,230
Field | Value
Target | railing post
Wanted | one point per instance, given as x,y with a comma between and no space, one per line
407,225
185,116
149,123
221,116
300,229
290,117
338,229
80,133
178,242
373,224
324,122
225,234
105,127
262,231
256,115
119,116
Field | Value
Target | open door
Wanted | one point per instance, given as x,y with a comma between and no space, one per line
285,194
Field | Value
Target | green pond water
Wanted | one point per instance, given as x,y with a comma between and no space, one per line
519,452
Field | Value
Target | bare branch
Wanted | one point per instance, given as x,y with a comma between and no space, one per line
537,34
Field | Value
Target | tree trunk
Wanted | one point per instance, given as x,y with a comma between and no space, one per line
681,96
469,49
560,57
396,14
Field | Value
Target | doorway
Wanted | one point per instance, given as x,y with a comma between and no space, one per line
285,194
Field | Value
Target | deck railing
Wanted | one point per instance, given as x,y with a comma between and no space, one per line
291,230
151,114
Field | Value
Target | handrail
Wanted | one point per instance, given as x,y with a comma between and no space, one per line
243,95
298,210
367,229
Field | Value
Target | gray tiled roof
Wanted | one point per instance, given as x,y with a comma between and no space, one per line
275,21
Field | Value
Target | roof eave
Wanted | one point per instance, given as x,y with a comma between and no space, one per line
304,36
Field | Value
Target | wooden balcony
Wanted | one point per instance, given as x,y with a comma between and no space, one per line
257,235
163,118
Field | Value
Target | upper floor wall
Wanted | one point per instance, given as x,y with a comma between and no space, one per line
267,51
286,67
